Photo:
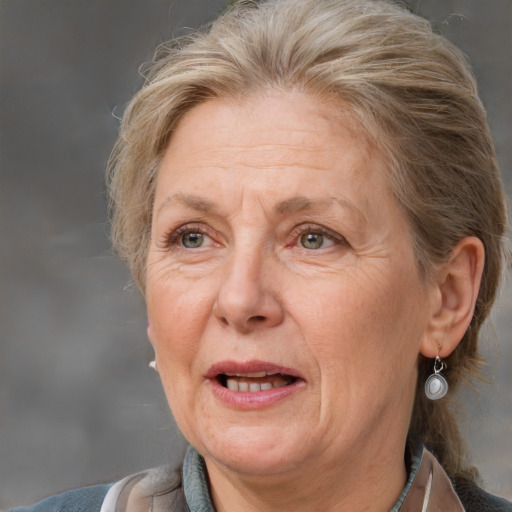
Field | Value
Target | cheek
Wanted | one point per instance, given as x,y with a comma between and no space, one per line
177,314
360,317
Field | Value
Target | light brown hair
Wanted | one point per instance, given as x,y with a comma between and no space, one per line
412,93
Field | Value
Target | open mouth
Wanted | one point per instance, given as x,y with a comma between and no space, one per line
254,382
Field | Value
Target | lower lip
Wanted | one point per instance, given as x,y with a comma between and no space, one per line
256,399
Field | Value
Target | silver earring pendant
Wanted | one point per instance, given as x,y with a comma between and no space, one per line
152,364
436,386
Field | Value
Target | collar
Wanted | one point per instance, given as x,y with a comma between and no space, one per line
195,482
431,490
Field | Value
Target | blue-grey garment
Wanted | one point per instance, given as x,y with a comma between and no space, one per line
87,499
416,451
195,482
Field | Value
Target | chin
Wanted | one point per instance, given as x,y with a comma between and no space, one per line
253,450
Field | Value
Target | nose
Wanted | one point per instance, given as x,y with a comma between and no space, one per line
247,299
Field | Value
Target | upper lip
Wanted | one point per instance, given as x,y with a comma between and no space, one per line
248,367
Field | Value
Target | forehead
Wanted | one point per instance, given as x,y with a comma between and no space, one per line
271,130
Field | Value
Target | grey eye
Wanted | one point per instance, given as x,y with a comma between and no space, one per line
312,240
192,240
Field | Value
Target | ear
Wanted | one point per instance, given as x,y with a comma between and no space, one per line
457,286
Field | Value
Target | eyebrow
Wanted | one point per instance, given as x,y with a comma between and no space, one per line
294,205
287,207
193,202
301,204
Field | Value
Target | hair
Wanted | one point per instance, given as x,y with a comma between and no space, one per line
412,93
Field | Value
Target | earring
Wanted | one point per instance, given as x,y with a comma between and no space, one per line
152,364
436,386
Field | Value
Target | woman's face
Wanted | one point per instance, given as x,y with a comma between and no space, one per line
285,305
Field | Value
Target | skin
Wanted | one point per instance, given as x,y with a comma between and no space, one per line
252,178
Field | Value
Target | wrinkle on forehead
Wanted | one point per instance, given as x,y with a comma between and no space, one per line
265,157
329,119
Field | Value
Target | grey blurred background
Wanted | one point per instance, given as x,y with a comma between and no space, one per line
78,404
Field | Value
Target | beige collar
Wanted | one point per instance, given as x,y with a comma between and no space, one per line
431,489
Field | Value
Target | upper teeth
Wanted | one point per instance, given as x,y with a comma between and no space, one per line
243,382
253,375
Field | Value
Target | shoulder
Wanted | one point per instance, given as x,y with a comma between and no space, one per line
87,499
153,489
476,499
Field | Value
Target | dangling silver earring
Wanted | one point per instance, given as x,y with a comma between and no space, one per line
152,364
436,386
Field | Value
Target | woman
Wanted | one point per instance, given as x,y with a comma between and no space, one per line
308,196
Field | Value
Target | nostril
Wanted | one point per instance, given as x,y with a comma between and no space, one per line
258,318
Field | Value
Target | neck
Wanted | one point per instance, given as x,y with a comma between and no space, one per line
369,480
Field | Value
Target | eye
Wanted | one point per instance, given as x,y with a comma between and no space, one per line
315,237
189,236
314,240
192,240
